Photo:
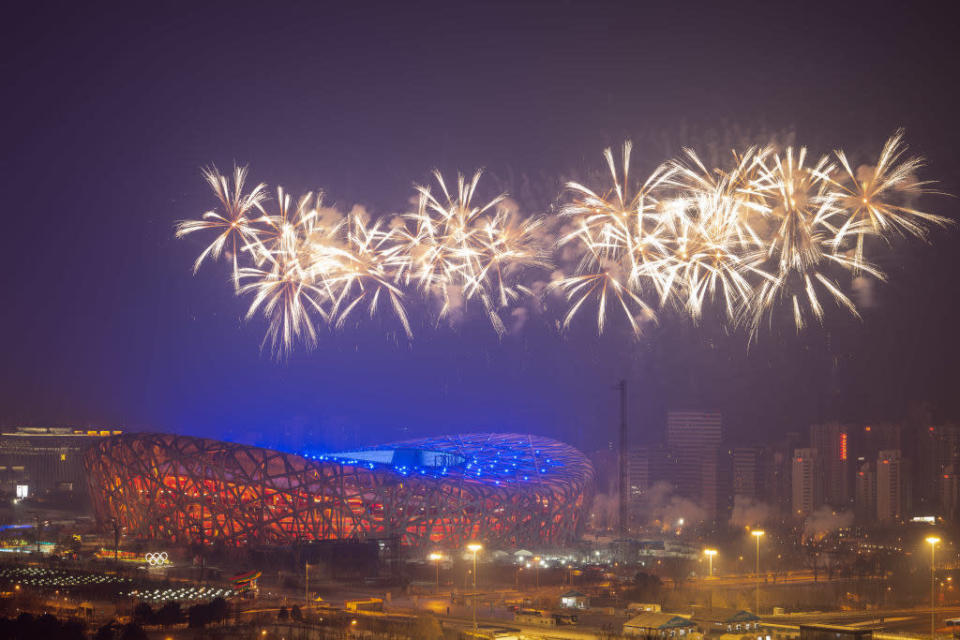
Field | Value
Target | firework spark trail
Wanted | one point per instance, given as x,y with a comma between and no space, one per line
774,229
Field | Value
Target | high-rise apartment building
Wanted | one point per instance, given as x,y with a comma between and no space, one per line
889,486
865,505
950,494
638,479
693,430
833,444
716,486
646,466
693,438
806,481
936,448
746,472
871,439
776,465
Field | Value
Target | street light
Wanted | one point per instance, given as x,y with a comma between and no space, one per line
536,564
436,557
757,533
474,548
933,540
710,553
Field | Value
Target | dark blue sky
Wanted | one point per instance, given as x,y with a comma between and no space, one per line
109,113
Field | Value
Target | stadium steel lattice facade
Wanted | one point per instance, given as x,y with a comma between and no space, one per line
504,489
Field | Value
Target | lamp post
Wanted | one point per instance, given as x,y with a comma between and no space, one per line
710,553
933,540
536,564
474,547
436,557
757,533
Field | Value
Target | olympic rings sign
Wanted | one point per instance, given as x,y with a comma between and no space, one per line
157,559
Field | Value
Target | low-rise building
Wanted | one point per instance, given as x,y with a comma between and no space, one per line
575,600
43,459
660,625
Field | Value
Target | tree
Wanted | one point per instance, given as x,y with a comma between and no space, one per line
73,630
218,609
295,613
133,631
198,616
283,615
106,632
428,628
143,614
169,614
645,588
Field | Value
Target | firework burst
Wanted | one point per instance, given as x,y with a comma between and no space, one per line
461,251
876,200
773,229
620,239
234,227
284,291
359,264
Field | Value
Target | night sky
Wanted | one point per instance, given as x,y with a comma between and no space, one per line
109,114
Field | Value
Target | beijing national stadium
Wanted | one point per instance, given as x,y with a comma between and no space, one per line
505,489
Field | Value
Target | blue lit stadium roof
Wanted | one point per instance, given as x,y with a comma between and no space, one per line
492,458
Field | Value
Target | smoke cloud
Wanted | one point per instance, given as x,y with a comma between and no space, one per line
863,292
825,520
605,511
662,505
748,512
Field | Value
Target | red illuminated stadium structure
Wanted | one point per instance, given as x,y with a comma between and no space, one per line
504,489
